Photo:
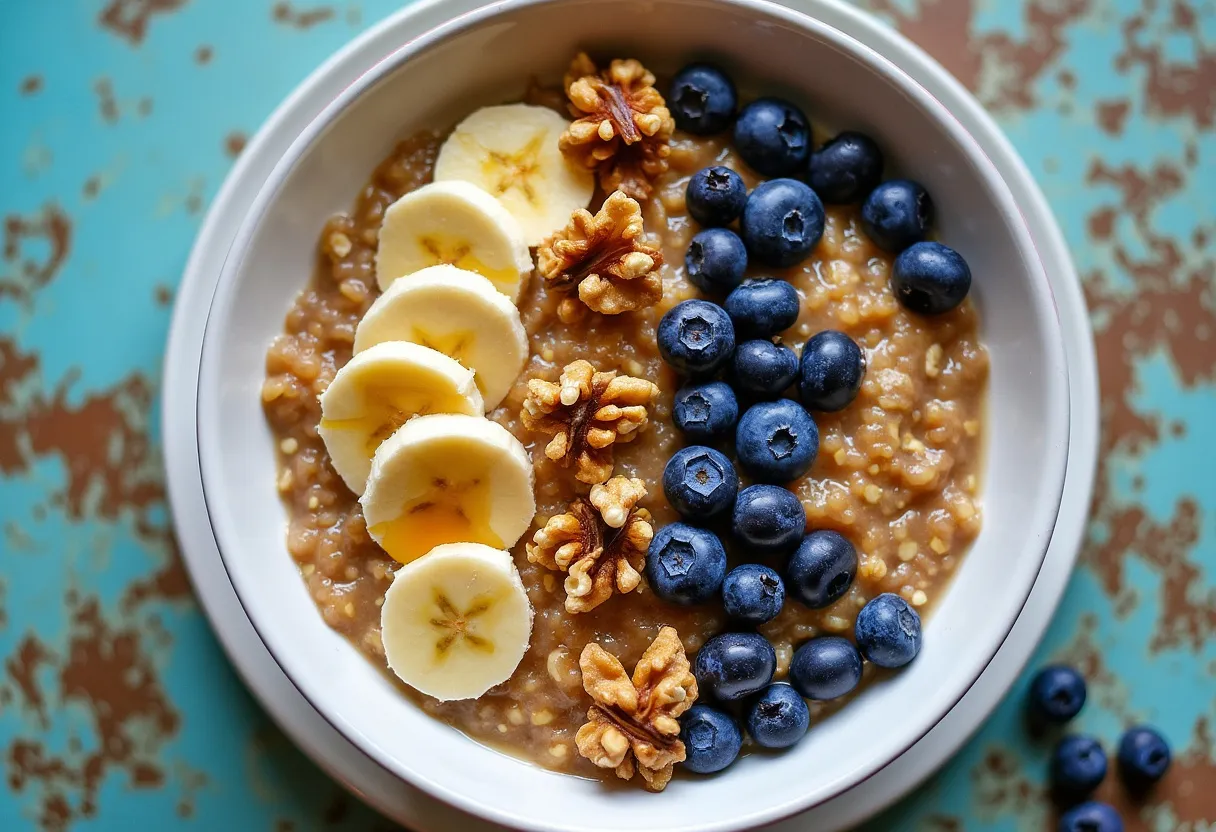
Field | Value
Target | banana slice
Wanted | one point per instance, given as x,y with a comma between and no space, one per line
511,151
448,479
457,622
456,223
458,313
378,391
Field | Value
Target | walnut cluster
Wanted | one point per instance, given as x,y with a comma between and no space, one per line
622,127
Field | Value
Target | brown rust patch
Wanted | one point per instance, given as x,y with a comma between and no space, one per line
1112,115
92,187
288,15
203,55
23,666
234,143
106,101
163,294
129,19
31,85
35,248
1001,784
1170,89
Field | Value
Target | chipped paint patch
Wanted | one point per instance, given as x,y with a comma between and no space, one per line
129,19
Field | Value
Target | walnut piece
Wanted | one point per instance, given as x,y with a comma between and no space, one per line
601,551
634,721
587,412
622,126
605,258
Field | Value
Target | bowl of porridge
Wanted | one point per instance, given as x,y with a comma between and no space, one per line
660,425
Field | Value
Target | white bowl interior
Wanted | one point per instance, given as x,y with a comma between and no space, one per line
486,58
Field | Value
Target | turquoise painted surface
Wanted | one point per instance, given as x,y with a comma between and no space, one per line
118,122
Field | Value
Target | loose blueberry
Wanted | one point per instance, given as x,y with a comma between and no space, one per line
825,668
830,372
715,196
696,337
1078,765
753,594
888,631
762,308
1144,756
1091,817
685,565
930,278
782,222
704,412
716,260
822,568
1057,694
702,99
846,168
764,369
711,739
773,137
700,482
897,214
768,520
776,441
731,666
778,717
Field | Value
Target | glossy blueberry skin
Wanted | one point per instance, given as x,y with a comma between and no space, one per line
830,372
762,308
1093,816
768,520
700,482
778,717
711,739
702,99
782,222
825,668
685,565
776,441
930,278
696,337
731,666
715,196
704,412
822,568
773,137
752,594
1144,756
763,369
1057,694
716,260
888,631
1078,765
845,169
897,214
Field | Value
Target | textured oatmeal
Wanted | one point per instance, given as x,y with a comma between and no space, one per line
896,472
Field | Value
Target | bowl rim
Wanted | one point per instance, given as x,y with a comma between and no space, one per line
394,59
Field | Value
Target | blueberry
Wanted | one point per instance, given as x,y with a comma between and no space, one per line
830,372
888,631
731,666
753,594
764,369
822,568
768,520
825,668
1057,694
1078,765
897,214
846,168
773,137
930,278
776,441
702,99
711,739
1090,817
762,308
1144,755
696,337
700,482
778,717
705,411
716,260
685,565
782,222
715,196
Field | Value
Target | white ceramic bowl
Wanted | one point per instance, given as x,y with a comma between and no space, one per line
486,57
